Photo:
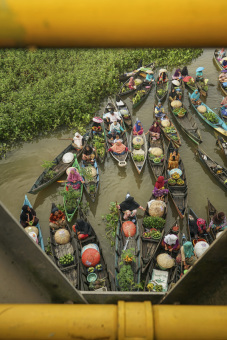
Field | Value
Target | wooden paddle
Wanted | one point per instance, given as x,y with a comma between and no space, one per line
62,181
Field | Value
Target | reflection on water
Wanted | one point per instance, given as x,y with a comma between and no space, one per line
22,167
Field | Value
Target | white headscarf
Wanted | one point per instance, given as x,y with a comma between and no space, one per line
77,139
170,239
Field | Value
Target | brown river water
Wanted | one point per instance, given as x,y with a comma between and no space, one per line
22,166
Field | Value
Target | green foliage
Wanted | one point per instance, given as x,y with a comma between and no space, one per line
48,247
48,165
139,95
111,220
71,197
154,222
127,256
125,278
86,172
138,158
211,116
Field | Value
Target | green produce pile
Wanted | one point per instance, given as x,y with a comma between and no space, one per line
160,92
111,221
211,116
203,86
66,260
180,111
170,129
154,222
172,181
99,144
125,89
137,146
156,235
139,95
157,160
138,158
180,181
175,138
154,287
158,288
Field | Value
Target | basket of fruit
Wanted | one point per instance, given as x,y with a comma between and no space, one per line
175,175
137,146
157,160
172,181
155,235
147,235
66,260
180,181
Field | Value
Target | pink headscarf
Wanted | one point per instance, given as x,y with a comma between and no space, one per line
74,176
131,81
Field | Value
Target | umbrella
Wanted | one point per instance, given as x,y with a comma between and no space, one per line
199,69
224,58
97,120
186,79
176,82
162,70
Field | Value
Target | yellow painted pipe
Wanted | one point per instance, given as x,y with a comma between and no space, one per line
127,320
116,23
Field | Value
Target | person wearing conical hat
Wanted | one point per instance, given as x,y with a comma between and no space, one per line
149,77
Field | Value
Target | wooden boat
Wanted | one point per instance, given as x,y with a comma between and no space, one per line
72,271
206,235
158,169
220,126
40,236
99,139
58,168
138,164
101,275
141,94
217,63
211,211
162,86
218,171
178,193
200,85
171,133
124,111
188,125
127,75
91,187
222,144
121,159
223,88
70,213
172,272
125,90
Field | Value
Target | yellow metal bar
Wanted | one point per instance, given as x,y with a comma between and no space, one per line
128,320
113,23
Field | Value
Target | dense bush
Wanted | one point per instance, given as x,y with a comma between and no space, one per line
44,89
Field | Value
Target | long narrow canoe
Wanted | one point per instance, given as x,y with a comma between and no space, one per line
91,187
178,193
70,214
138,164
98,140
138,77
171,133
72,271
211,211
122,107
58,168
40,236
220,126
216,61
123,243
141,94
158,169
200,85
127,75
222,145
188,125
161,95
214,168
101,275
207,236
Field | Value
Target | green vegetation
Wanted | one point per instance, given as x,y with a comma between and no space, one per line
138,158
111,220
47,165
153,222
66,260
71,198
139,95
211,116
45,89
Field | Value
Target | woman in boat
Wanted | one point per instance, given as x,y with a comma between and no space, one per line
199,76
82,229
224,63
174,158
119,148
202,226
159,110
96,126
159,188
195,97
28,217
188,256
173,95
162,77
129,207
112,117
88,154
224,104
138,128
74,179
57,219
171,243
117,139
184,72
177,74
221,54
77,141
154,131
218,222
115,128
149,77
193,227
131,84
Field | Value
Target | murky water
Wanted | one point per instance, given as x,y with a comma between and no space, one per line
22,166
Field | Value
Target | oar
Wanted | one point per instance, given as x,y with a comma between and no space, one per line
62,181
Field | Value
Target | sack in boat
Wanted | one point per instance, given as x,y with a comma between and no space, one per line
176,103
157,208
138,152
165,261
202,109
62,236
156,151
200,248
91,170
137,141
165,122
32,229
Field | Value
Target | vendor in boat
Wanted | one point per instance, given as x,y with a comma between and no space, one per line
188,256
184,71
177,74
82,229
77,141
88,154
171,243
154,131
224,63
162,78
74,179
221,54
173,95
224,102
202,226
193,227
149,77
112,117
57,219
138,128
131,84
118,139
174,158
199,76
28,217
218,222
115,128
96,125
119,148
159,188
195,97
159,110
223,77
129,207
